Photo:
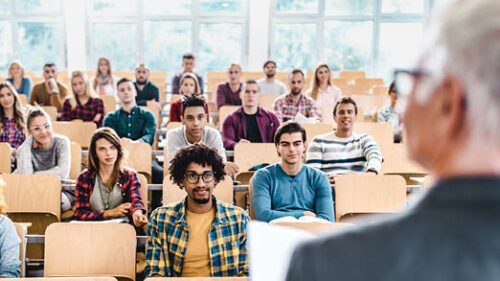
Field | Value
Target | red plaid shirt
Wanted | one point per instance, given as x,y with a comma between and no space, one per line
285,107
128,183
85,112
11,133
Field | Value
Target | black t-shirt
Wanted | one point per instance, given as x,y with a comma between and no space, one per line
252,128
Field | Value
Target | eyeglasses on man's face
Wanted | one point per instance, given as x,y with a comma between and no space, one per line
193,178
405,80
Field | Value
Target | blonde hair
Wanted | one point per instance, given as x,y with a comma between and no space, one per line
110,73
234,65
88,91
189,75
19,112
12,64
315,81
3,204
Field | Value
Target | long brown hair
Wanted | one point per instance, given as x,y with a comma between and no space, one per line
111,136
88,91
110,73
189,75
315,81
19,113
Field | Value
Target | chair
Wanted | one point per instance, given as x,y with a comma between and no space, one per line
172,193
139,157
23,98
350,75
5,153
342,83
90,249
364,194
380,90
370,103
396,161
367,83
317,228
213,80
144,190
381,132
173,125
224,111
35,199
315,129
175,98
51,111
156,113
125,74
250,203
76,161
254,75
79,132
22,231
245,155
266,102
109,103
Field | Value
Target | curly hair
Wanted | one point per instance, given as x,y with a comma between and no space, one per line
196,153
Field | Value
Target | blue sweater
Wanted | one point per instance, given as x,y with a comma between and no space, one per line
10,265
25,87
276,194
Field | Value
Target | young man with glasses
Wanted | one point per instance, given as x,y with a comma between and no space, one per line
50,92
199,236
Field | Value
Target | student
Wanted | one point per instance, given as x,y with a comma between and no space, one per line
322,90
44,152
269,85
10,265
21,83
290,188
108,190
188,65
147,92
13,123
189,87
228,93
50,92
199,236
82,104
388,114
104,83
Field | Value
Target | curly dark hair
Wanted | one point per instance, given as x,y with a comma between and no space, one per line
200,154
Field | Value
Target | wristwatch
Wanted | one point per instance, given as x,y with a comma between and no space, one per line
373,170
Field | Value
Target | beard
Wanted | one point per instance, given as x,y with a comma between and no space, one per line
296,92
201,200
143,82
269,75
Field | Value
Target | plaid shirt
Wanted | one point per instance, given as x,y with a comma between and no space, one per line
234,127
168,234
85,112
11,133
128,183
285,107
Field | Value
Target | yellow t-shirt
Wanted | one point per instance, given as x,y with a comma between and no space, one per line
197,259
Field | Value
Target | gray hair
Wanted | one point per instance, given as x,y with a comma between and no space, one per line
465,42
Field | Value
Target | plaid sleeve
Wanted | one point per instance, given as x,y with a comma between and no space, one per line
134,187
82,204
157,262
243,256
278,109
99,110
66,111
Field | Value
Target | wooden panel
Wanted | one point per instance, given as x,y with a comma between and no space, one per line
350,75
224,111
370,103
23,98
361,193
144,190
315,129
367,83
125,74
51,111
79,132
266,102
90,249
109,103
381,132
76,161
396,161
138,157
172,193
247,155
5,153
380,90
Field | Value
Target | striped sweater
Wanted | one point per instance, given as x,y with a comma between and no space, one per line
355,154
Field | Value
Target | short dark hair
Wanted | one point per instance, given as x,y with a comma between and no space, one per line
198,153
123,80
193,100
268,62
289,127
345,100
295,71
392,88
188,56
248,82
49,64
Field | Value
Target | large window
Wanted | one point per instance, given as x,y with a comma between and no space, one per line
158,32
32,31
371,35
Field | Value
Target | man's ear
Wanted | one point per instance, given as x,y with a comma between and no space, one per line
453,106
182,120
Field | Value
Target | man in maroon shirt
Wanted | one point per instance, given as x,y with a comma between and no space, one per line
228,93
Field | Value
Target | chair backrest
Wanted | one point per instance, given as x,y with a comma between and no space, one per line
175,98
139,157
173,125
172,193
250,202
350,75
224,111
380,90
266,102
109,103
367,83
125,74
90,249
23,98
245,155
39,194
144,190
370,103
5,152
22,231
76,160
79,132
396,161
381,132
317,228
51,111
342,83
358,193
156,114
315,129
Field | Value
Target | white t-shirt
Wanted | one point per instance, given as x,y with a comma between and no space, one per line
274,88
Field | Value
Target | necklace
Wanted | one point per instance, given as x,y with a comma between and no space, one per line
106,204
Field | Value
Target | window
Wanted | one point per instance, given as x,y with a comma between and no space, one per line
371,35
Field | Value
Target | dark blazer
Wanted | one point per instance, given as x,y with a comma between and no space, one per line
453,233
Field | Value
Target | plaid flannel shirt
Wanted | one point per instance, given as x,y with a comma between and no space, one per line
285,107
128,183
168,234
85,112
11,133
